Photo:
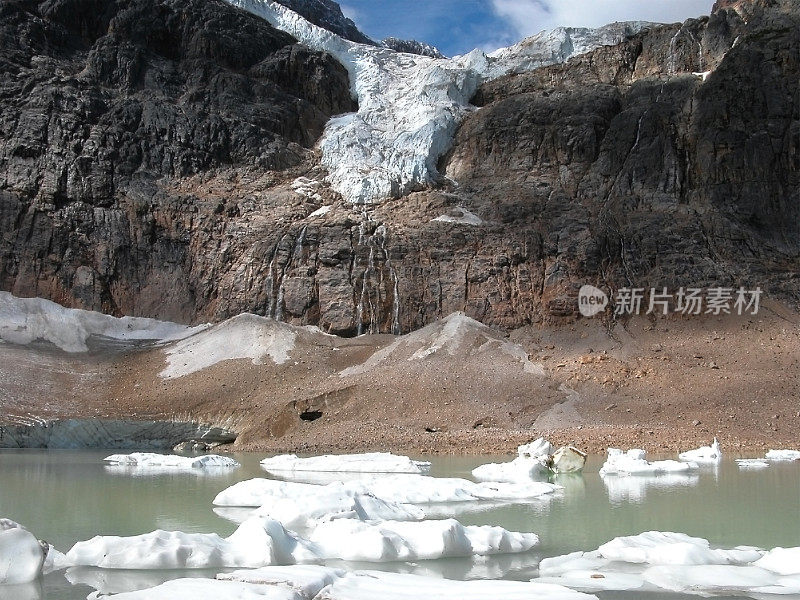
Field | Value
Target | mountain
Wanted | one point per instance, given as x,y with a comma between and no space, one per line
192,161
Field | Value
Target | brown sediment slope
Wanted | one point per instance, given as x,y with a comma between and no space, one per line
454,386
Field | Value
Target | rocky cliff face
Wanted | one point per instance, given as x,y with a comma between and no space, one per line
182,184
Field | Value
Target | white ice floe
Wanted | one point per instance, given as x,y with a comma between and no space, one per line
704,454
784,561
409,106
171,462
780,455
256,543
305,580
207,589
667,548
634,462
27,320
708,580
751,463
399,489
537,448
243,337
260,542
520,469
22,556
349,539
321,583
460,216
676,562
371,462
371,585
335,502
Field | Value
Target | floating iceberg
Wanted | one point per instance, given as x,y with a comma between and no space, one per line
676,562
207,589
708,580
260,542
373,585
667,548
520,469
784,561
537,448
375,462
780,455
535,461
172,462
320,583
22,556
634,462
751,463
305,580
567,459
704,454
396,489
425,540
336,503
256,543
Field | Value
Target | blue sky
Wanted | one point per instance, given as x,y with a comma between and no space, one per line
458,26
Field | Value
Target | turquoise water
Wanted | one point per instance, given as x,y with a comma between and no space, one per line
68,496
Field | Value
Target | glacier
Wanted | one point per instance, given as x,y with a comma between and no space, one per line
409,106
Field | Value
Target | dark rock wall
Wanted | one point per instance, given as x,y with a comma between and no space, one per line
162,185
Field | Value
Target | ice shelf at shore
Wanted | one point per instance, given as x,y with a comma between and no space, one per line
322,583
262,542
169,462
675,562
634,462
399,489
372,462
704,454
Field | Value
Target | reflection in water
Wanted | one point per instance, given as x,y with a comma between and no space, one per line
633,488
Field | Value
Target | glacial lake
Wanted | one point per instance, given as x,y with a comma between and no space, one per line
68,496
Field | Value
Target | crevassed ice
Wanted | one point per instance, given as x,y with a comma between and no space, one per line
411,105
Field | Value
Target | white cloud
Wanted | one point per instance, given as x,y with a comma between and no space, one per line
528,17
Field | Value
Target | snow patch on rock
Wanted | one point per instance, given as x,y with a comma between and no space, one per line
460,216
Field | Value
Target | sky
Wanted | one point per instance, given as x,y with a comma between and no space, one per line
458,26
